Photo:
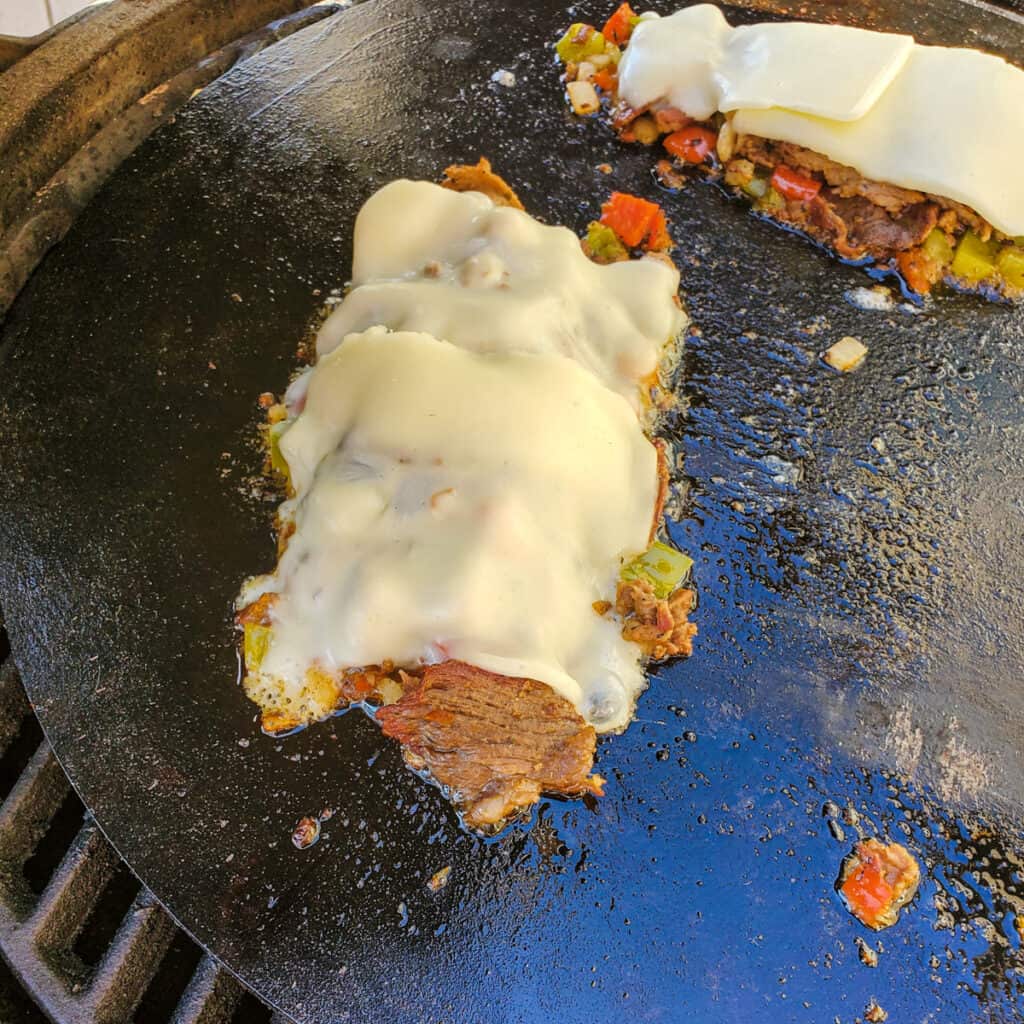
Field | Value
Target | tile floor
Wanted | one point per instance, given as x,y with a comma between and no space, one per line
28,17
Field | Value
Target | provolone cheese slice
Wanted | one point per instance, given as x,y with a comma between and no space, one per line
942,120
700,64
493,279
827,70
456,505
951,123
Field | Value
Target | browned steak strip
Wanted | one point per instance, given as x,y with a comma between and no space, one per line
479,177
846,181
659,625
494,742
870,229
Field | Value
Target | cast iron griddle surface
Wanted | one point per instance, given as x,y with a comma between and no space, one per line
858,550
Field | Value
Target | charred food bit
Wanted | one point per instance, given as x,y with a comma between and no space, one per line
479,177
439,879
846,354
306,833
495,743
877,880
874,1014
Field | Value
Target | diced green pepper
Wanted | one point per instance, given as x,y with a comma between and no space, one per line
663,566
974,259
277,460
604,245
756,187
254,646
770,202
579,42
1010,263
938,248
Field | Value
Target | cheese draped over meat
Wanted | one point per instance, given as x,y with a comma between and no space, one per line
492,279
470,491
943,120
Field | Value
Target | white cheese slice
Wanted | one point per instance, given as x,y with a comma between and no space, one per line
456,505
830,71
493,279
951,123
676,59
697,62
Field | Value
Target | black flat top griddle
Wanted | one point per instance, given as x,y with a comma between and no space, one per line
858,551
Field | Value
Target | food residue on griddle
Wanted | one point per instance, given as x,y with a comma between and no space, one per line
439,879
306,833
868,956
874,1014
877,880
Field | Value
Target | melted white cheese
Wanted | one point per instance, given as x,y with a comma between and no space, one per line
698,62
493,279
451,504
944,120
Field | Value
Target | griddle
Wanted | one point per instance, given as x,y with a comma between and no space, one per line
858,553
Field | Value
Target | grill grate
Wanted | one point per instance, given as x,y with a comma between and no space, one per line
82,939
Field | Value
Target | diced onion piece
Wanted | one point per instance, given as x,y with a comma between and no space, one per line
585,72
846,354
726,144
583,97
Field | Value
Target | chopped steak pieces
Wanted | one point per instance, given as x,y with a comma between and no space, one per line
479,177
659,625
494,742
877,880
925,238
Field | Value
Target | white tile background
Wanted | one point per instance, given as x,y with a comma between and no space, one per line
28,17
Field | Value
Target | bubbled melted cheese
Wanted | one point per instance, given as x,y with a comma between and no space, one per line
944,120
494,279
469,491
454,505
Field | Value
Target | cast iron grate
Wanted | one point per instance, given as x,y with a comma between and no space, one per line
82,939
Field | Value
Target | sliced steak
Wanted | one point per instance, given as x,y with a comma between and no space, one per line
873,230
660,626
494,742
479,177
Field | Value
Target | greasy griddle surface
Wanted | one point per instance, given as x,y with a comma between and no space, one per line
857,542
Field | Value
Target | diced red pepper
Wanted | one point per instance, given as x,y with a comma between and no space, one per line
658,238
866,890
605,80
693,143
619,27
794,185
877,880
630,217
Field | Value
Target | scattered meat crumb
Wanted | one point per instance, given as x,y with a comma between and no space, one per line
439,879
605,168
868,957
306,833
874,1014
668,175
